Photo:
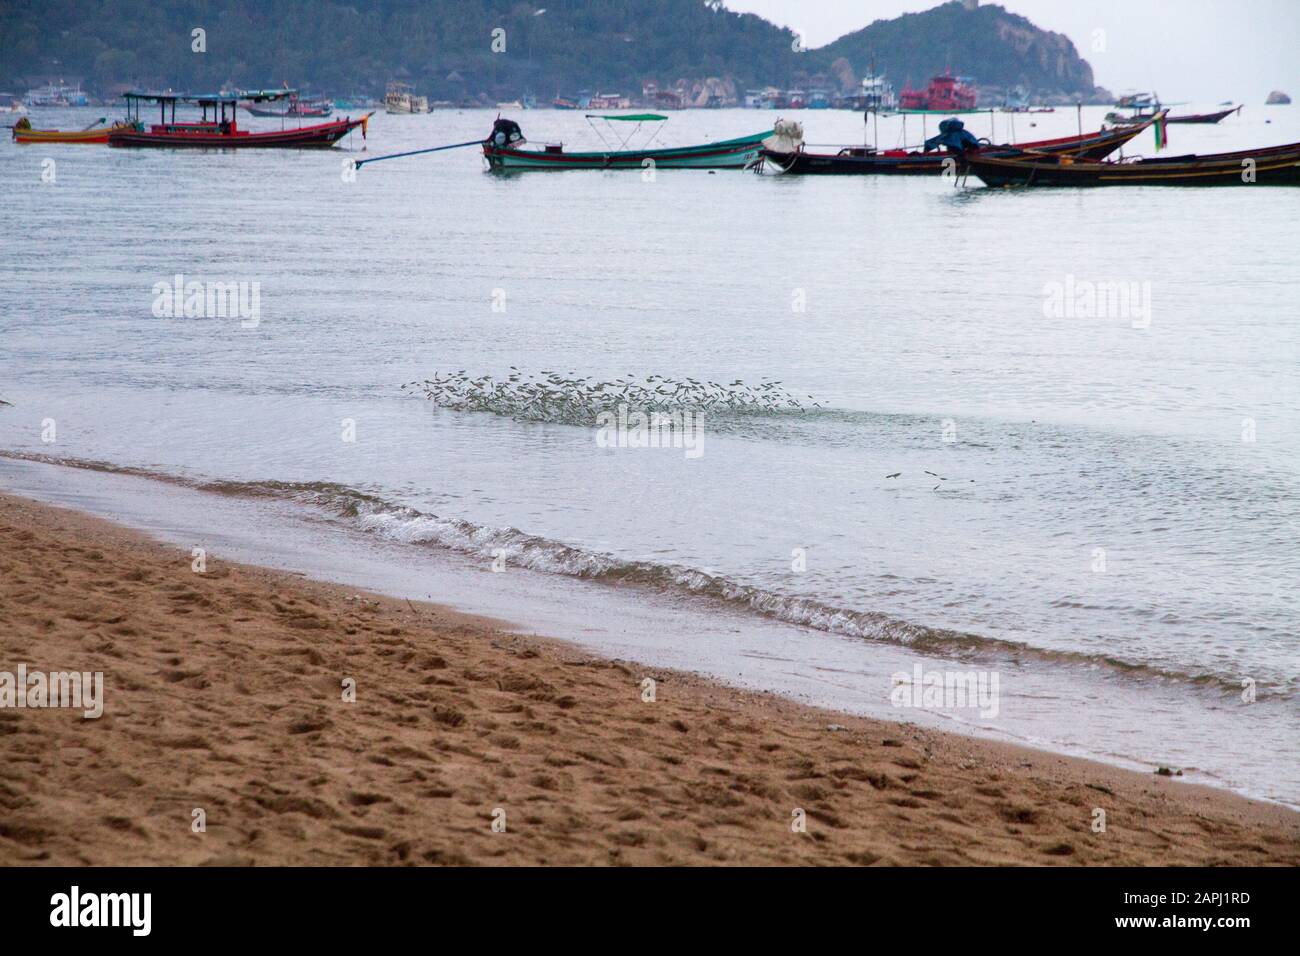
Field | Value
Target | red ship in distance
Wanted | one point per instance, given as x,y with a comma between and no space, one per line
945,93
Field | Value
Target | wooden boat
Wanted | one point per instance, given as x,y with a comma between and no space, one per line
221,131
1139,101
1137,119
24,133
296,107
1142,107
1205,117
863,161
401,99
503,153
1273,165
303,109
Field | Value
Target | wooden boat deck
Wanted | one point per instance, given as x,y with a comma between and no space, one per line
1276,165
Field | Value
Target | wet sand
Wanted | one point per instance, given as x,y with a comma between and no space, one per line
224,693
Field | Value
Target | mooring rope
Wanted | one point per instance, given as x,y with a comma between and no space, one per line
416,152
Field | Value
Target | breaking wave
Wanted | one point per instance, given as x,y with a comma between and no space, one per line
376,515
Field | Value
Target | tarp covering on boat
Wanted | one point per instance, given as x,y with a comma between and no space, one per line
952,133
787,137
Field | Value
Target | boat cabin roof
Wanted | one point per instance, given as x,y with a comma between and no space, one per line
633,118
209,99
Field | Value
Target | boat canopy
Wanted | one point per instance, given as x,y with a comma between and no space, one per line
257,96
217,102
942,112
633,118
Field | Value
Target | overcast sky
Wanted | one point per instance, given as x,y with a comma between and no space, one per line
1196,50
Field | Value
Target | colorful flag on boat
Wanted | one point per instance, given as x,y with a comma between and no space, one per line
1162,134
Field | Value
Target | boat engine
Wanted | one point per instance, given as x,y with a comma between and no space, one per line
506,133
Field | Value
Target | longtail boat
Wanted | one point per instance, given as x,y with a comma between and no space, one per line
1205,117
864,161
1277,165
1119,119
502,151
1141,106
297,106
221,130
23,132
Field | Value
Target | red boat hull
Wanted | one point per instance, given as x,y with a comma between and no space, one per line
210,136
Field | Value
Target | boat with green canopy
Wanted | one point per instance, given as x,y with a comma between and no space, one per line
503,149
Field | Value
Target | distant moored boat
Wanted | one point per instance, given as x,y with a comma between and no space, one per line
1205,117
946,93
401,99
297,106
57,94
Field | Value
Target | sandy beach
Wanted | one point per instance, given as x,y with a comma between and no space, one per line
224,693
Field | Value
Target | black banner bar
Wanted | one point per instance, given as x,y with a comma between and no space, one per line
300,906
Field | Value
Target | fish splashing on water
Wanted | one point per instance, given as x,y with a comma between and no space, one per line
570,399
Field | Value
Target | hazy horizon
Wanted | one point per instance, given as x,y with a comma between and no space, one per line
1213,50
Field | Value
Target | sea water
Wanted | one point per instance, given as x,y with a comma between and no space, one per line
1051,434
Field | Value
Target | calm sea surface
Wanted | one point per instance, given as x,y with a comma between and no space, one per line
1089,493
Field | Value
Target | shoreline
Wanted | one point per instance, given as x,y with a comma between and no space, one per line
222,693
1039,709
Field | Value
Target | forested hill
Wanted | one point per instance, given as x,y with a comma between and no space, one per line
446,47
364,43
996,47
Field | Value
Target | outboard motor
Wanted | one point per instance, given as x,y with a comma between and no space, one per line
505,133
952,134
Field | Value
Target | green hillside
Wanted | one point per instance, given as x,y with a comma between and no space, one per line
445,48
997,48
